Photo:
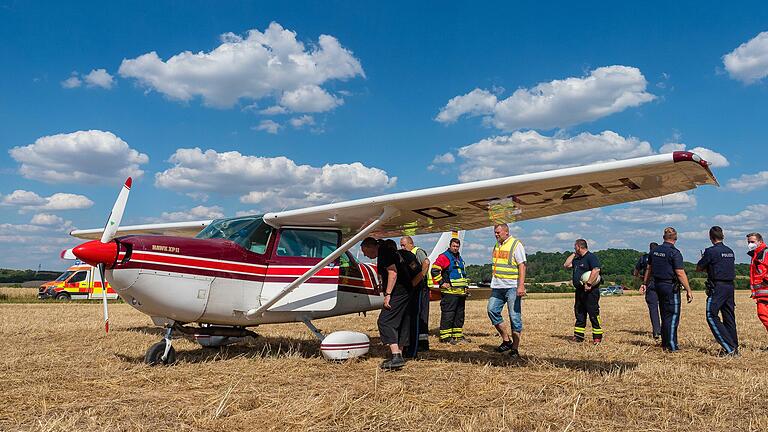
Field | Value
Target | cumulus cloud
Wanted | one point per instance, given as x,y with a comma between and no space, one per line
80,157
675,200
268,126
271,64
748,182
753,215
99,78
46,219
300,122
276,181
195,213
714,158
749,62
30,201
524,152
636,215
72,82
95,78
445,158
309,98
555,104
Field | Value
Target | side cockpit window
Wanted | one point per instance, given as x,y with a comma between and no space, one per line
307,243
260,238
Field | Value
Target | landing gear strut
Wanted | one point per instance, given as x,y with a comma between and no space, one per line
161,352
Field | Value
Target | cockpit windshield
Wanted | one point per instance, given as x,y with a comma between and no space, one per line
250,232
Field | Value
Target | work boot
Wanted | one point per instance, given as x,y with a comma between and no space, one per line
423,345
395,363
577,339
597,341
504,347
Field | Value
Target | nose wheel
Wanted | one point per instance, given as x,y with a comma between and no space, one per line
161,353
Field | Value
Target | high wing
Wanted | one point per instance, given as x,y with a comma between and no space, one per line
483,203
179,229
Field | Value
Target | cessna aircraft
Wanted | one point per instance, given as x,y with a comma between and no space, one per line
294,266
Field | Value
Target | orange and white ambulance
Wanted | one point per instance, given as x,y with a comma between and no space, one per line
79,282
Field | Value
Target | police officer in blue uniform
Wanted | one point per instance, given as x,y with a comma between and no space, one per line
666,270
651,298
719,263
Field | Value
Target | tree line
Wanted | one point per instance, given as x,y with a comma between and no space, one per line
616,268
19,276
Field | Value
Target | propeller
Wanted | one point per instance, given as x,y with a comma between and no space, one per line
110,229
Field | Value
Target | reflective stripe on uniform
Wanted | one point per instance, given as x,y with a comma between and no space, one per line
503,259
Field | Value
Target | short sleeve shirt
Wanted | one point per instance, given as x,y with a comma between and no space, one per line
583,264
720,263
421,256
665,259
519,254
387,257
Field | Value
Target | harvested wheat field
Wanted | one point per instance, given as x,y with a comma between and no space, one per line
60,372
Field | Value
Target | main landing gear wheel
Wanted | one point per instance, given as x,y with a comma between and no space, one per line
154,355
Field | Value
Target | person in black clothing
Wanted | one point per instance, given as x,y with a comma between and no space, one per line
393,320
720,264
587,294
651,297
666,270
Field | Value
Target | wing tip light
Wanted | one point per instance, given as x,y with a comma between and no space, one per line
683,156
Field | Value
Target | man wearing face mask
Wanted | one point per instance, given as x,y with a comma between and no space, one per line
758,274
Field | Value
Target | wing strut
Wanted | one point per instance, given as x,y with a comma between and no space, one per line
387,214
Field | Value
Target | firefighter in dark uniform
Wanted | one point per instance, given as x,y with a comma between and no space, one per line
720,264
666,270
651,298
587,301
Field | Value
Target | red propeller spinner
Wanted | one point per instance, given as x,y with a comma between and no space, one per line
95,252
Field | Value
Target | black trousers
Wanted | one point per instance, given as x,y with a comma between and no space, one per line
452,316
669,303
652,299
420,320
394,322
587,304
721,302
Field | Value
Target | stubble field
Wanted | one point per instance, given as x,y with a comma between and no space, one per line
59,371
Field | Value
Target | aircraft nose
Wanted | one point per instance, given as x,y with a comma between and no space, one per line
95,252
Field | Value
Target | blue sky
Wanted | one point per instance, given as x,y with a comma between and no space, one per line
336,100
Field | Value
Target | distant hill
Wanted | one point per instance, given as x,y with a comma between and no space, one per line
616,268
20,276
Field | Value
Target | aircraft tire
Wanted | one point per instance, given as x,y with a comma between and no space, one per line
154,355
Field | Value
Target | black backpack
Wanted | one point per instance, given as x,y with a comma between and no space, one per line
409,265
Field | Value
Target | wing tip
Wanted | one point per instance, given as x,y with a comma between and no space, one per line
686,156
128,182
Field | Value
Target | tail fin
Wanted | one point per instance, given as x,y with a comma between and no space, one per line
443,241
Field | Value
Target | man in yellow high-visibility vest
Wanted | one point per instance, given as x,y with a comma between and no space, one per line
507,286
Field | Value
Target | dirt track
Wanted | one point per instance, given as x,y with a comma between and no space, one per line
60,372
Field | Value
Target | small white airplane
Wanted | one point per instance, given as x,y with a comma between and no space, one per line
294,266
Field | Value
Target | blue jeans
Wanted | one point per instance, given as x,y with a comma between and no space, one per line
496,306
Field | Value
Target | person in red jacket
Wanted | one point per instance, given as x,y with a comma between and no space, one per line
758,274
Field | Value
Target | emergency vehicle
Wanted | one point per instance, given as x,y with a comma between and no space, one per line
80,282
